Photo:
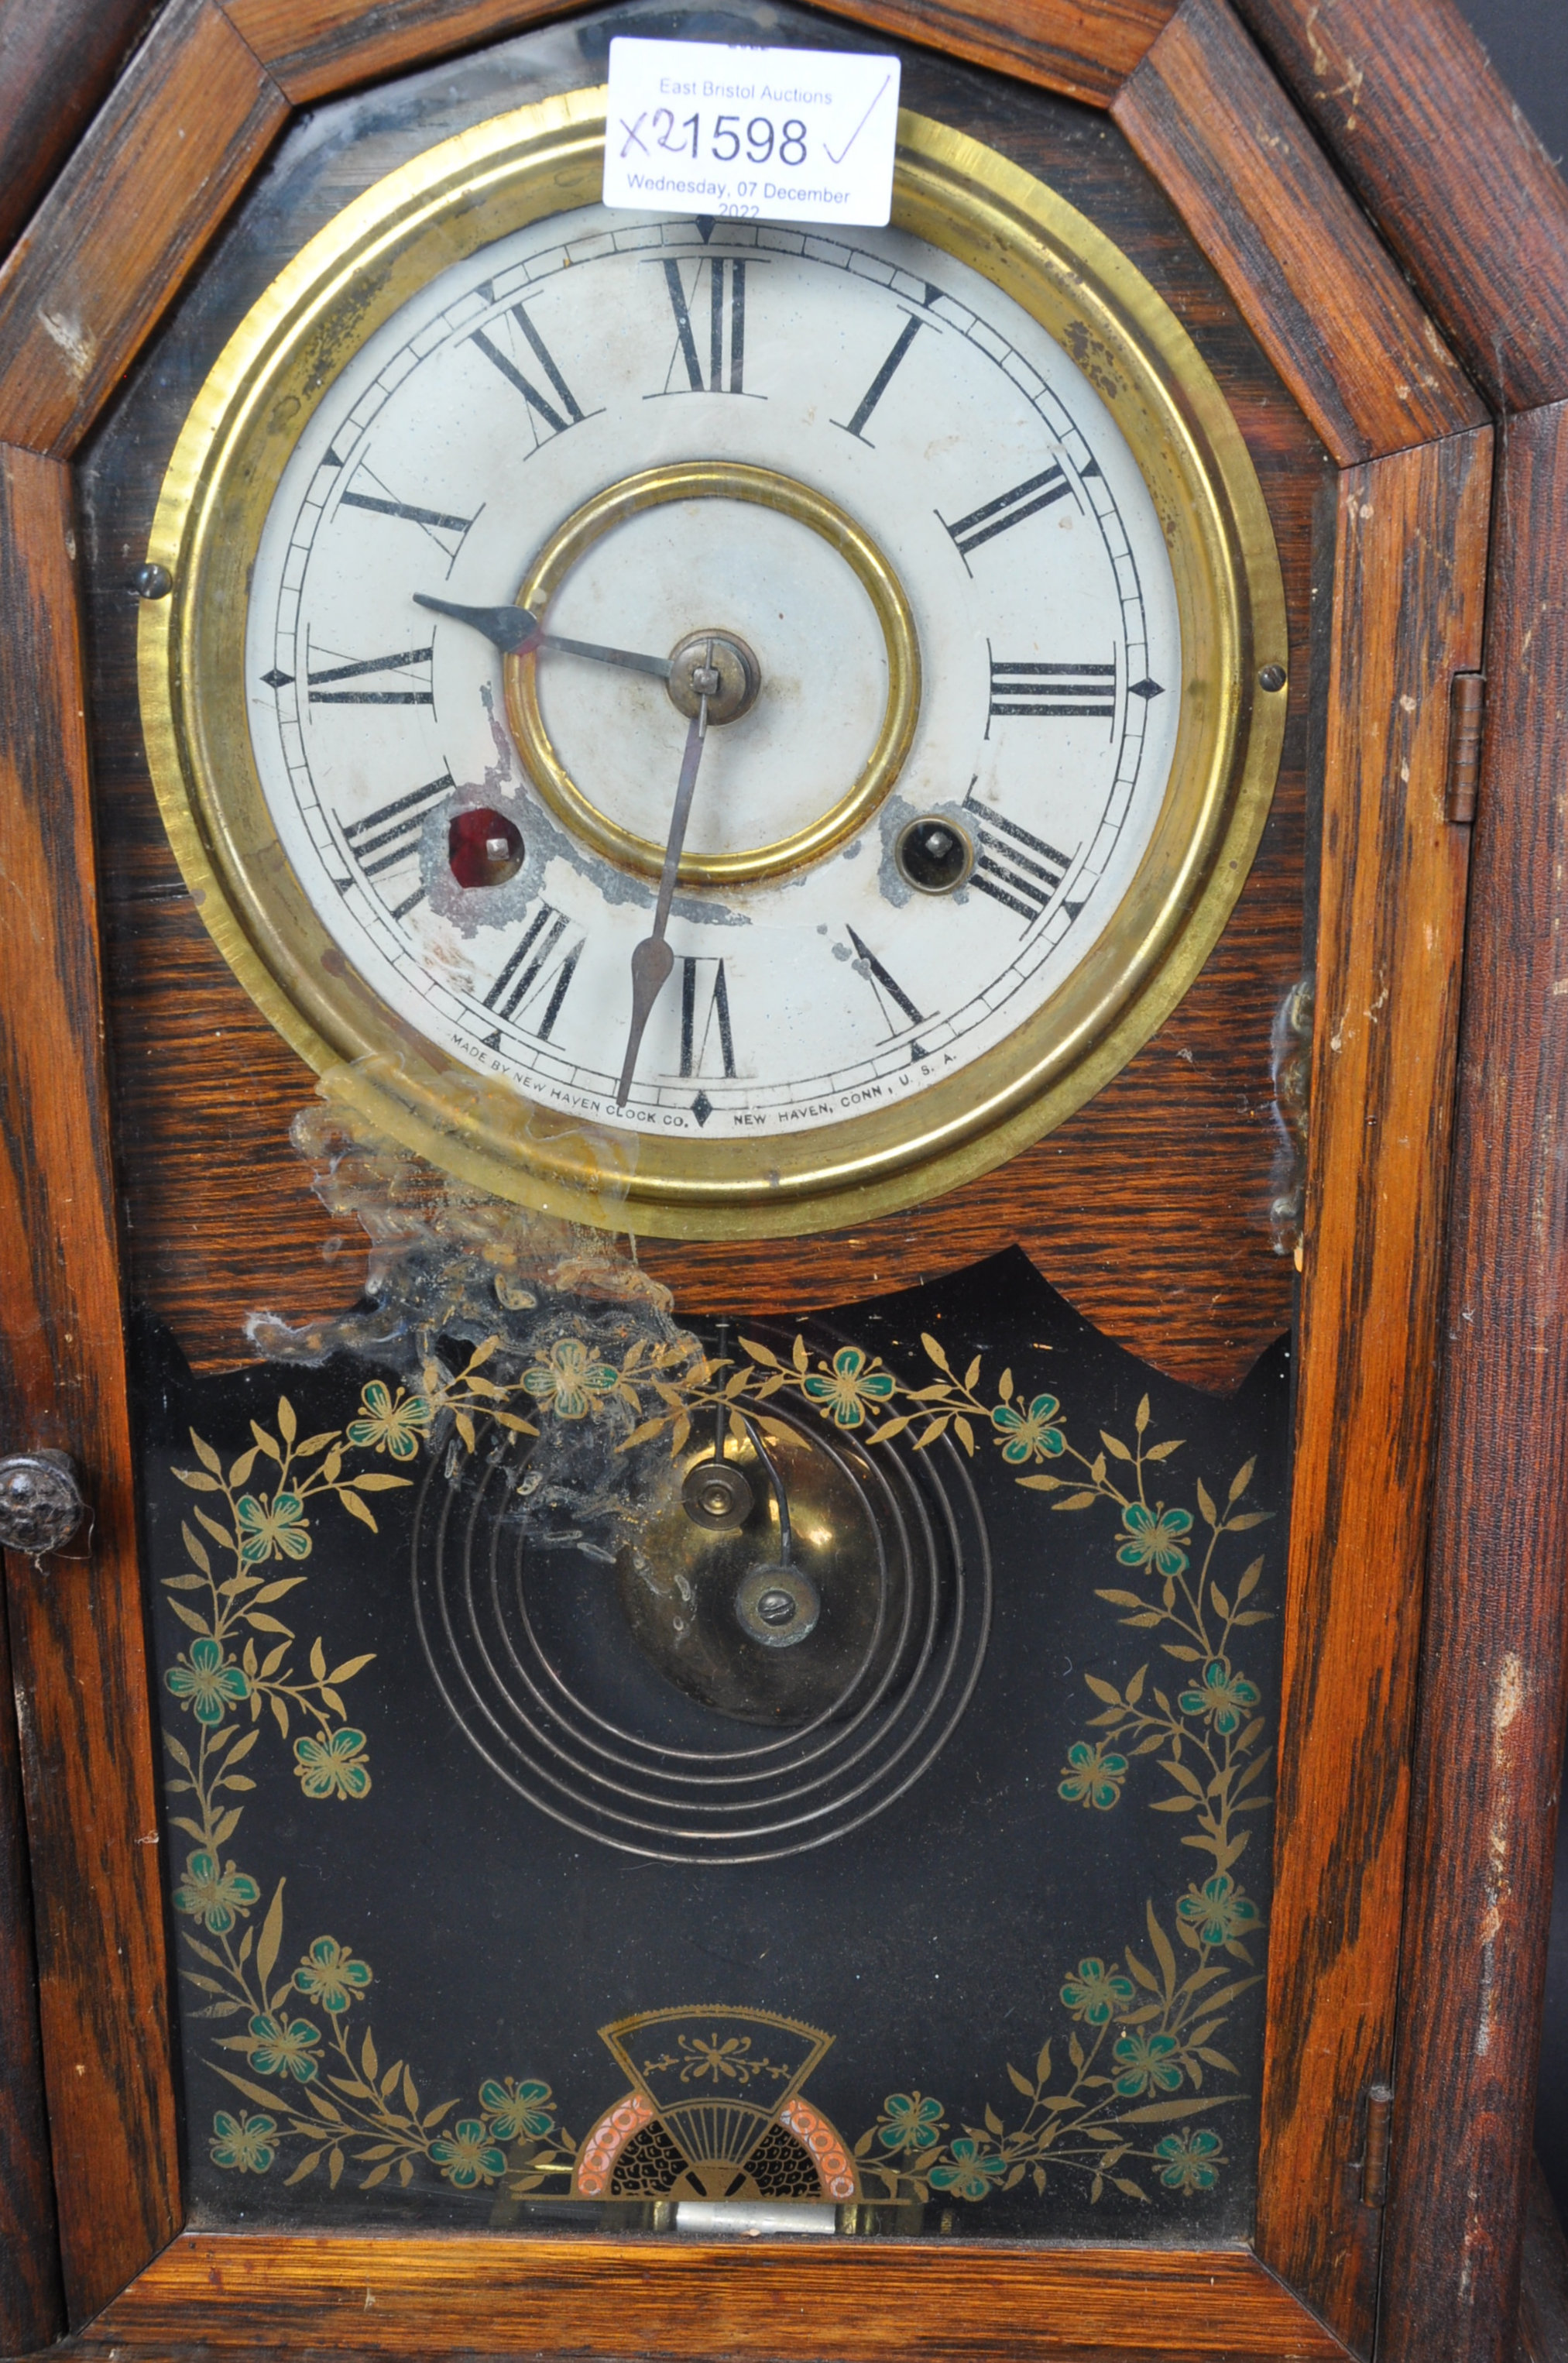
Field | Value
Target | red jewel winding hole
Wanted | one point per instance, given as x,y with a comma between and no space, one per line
484,847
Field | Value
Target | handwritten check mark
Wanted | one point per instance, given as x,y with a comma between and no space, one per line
859,127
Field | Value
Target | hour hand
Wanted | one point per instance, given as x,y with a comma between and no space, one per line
516,630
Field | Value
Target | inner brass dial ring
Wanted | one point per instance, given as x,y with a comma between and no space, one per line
719,480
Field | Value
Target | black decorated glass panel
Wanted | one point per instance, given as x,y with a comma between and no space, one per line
620,1765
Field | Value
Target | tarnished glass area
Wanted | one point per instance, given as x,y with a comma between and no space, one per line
618,1767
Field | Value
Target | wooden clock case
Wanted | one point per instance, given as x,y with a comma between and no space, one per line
1397,248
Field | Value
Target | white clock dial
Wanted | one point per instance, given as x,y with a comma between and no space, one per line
966,446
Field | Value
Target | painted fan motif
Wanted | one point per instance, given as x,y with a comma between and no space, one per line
715,2112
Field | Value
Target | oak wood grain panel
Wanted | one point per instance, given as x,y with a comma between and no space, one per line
1489,1738
1320,293
58,59
1084,49
111,243
222,1220
314,48
1424,131
797,2300
1150,1208
76,1621
32,2309
1409,585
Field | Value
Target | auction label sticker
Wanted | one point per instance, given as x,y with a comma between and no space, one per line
751,135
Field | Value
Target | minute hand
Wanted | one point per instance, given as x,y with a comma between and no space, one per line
652,959
516,630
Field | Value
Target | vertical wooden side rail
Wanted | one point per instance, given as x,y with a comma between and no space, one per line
31,2308
1491,1674
1425,131
1409,581
88,1766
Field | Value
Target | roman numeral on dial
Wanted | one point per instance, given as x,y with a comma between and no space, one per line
1014,867
537,974
498,345
1025,500
391,834
891,994
881,382
366,491
705,1017
701,350
406,667
1058,689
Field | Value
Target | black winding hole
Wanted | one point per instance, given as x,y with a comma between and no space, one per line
934,854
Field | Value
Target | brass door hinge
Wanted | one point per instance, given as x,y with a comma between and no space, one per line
1374,2156
1467,715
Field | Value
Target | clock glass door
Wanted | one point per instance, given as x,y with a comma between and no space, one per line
730,788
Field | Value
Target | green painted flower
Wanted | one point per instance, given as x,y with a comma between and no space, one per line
275,1529
567,1379
1222,1913
972,2172
214,1896
331,1976
850,1388
207,1681
283,2047
1191,2160
244,2142
1092,1776
332,1767
1223,1700
1152,1539
516,2112
467,2155
1097,1994
1144,2063
1030,1436
911,2121
390,1427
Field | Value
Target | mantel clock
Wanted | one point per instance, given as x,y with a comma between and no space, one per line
730,1635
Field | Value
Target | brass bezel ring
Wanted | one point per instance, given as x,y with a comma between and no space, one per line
719,480
443,206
